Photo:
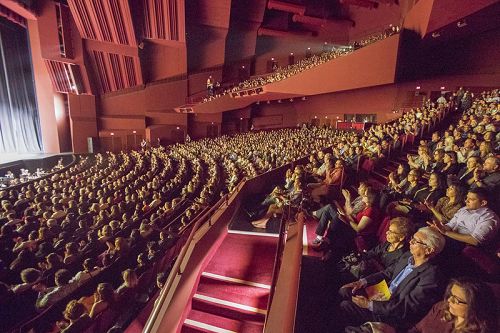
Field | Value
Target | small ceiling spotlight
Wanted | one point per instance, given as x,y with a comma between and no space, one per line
315,117
134,132
272,59
112,133
304,98
178,128
268,102
442,88
418,88
258,103
291,99
241,118
279,100
326,117
461,23
435,34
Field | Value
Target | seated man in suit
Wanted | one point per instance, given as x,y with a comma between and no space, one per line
414,282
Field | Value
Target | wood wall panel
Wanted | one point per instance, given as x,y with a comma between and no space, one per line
65,77
116,71
104,20
163,19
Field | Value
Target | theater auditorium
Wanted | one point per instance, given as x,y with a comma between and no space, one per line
277,166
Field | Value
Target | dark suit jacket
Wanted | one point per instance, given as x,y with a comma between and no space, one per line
413,297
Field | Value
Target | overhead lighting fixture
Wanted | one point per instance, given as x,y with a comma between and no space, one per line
418,87
258,103
461,23
134,132
241,118
268,102
304,98
291,99
291,53
112,133
436,34
178,128
279,100
272,59
442,88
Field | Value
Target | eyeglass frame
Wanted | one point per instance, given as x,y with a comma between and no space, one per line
414,240
455,300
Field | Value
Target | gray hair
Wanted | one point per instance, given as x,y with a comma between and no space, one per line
433,239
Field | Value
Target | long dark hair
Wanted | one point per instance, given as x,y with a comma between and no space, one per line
481,310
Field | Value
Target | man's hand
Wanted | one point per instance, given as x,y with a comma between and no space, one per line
356,285
437,226
361,301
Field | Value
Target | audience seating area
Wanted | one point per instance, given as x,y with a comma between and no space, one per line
285,72
64,240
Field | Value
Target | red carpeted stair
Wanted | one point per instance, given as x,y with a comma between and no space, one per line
233,291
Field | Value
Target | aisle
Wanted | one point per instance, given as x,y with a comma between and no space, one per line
233,291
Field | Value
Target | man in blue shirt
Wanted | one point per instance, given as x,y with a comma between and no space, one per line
414,281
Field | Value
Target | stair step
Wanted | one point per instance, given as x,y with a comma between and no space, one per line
199,321
226,311
237,293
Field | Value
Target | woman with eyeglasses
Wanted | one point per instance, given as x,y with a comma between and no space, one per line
468,307
385,254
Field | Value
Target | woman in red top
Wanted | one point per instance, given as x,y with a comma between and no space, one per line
366,222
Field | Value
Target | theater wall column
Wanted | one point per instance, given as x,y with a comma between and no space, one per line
82,112
44,92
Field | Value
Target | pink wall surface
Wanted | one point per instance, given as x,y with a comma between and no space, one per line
44,94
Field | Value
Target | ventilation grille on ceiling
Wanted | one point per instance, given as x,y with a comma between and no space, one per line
161,20
104,20
65,77
116,71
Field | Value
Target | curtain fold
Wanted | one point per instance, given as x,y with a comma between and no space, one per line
19,121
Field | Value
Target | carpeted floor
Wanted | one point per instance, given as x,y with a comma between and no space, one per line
233,291
245,257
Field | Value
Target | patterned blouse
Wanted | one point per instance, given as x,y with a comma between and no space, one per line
446,209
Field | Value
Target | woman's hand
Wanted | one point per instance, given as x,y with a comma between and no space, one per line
346,194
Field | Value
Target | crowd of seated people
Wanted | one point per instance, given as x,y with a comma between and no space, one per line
117,211
61,234
448,193
282,73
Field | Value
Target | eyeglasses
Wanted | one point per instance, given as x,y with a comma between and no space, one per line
389,231
455,300
414,240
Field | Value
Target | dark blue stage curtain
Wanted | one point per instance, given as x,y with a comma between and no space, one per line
19,122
